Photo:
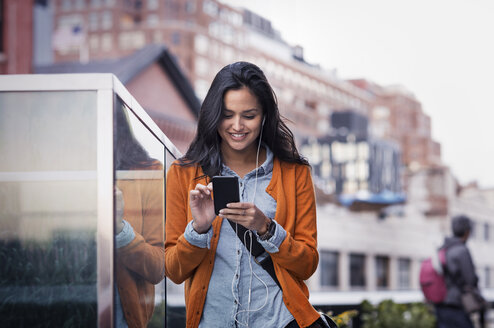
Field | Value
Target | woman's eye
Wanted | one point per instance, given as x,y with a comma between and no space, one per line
227,116
250,117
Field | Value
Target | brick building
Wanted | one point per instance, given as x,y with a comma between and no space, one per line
206,35
16,36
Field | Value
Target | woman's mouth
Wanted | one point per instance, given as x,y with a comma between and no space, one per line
238,136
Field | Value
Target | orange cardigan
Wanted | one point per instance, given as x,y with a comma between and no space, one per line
291,186
140,265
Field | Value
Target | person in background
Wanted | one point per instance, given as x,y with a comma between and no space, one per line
240,133
460,274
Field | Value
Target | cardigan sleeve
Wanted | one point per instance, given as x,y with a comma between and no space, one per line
298,253
181,257
144,254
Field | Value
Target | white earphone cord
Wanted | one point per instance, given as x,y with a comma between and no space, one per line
250,254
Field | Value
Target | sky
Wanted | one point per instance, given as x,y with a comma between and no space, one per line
440,50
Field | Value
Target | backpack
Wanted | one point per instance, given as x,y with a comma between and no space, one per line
432,277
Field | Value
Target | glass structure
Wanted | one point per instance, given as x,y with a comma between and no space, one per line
81,162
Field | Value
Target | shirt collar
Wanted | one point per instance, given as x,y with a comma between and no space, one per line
265,168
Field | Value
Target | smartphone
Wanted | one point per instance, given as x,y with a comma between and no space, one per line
225,190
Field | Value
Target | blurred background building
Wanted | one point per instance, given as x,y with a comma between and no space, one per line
385,197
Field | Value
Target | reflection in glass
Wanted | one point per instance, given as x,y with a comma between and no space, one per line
139,223
48,209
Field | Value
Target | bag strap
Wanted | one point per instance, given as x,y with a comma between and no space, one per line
266,262
257,250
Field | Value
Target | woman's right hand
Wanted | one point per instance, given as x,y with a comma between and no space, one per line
202,207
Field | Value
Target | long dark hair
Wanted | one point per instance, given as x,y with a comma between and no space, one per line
205,148
129,153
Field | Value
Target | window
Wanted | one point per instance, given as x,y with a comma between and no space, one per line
94,42
190,6
152,20
210,8
329,268
106,42
153,4
473,231
131,40
66,5
357,270
201,88
157,37
106,20
201,44
93,21
202,66
80,4
176,38
403,273
486,231
95,3
487,282
382,271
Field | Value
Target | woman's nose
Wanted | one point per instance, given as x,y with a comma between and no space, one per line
237,124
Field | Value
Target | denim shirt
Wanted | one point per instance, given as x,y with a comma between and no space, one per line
236,277
123,238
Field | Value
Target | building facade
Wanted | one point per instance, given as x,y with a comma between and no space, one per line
16,36
206,35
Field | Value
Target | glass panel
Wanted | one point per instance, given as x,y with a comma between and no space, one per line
48,209
139,223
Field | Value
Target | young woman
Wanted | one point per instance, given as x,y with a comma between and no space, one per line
240,134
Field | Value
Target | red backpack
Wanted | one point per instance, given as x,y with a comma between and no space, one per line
432,277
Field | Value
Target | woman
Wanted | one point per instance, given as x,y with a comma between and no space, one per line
239,128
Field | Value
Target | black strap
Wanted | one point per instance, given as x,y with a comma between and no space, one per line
257,250
267,264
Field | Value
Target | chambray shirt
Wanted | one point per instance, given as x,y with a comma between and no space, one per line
235,273
122,239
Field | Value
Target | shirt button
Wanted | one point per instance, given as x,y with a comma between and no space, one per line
236,276
238,252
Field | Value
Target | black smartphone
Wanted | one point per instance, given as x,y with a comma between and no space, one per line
225,190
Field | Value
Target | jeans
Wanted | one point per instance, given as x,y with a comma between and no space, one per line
452,317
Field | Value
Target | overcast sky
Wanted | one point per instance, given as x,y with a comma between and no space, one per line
440,50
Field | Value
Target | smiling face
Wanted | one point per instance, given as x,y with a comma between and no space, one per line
241,122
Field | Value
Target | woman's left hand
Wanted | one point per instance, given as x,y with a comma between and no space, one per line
248,215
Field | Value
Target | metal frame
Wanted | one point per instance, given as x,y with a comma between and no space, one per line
106,86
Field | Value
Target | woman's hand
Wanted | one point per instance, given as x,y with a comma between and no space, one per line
248,215
202,207
119,210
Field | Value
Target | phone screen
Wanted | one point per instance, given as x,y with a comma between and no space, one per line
225,190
